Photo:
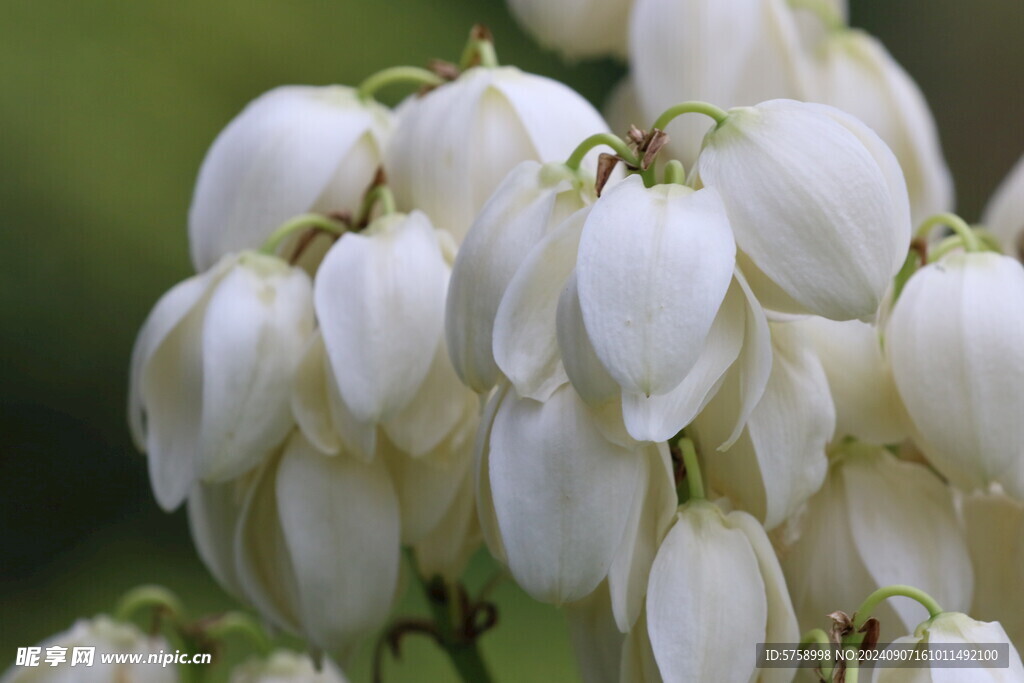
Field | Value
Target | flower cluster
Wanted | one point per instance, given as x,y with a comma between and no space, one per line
700,390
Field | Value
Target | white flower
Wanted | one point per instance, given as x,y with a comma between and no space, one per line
1004,214
815,199
107,637
877,521
857,74
779,460
716,590
596,641
211,371
995,538
956,345
576,28
292,150
868,407
953,628
526,206
283,666
453,146
622,107
677,54
310,540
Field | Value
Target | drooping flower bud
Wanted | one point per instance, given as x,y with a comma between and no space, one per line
677,54
857,74
292,150
716,590
211,371
453,146
779,460
1004,214
527,205
877,521
283,666
868,407
956,345
105,637
815,199
576,28
954,628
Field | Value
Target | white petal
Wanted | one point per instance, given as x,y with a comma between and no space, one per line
868,406
275,160
813,201
638,665
596,642
482,475
755,361
446,550
658,418
562,494
654,506
310,407
1004,213
255,328
577,28
214,511
527,204
956,345
357,437
341,524
654,266
380,301
582,366
525,329
622,107
706,604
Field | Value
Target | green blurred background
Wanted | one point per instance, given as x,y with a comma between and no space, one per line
106,110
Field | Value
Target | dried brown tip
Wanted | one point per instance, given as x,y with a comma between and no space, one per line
1020,244
379,178
443,69
656,139
870,629
635,136
842,626
481,32
605,165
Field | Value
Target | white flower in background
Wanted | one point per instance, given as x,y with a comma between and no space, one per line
779,460
868,407
953,628
310,540
107,637
561,489
731,53
293,150
526,206
877,521
622,107
212,368
1004,214
854,72
595,639
956,345
816,200
576,28
995,538
283,666
453,146
716,590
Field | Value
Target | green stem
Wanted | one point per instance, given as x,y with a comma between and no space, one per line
863,612
242,624
382,195
483,50
693,107
464,655
824,10
397,74
694,479
301,222
971,241
675,174
910,266
143,597
815,636
596,140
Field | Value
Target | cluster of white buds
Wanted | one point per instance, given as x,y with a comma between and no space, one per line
701,404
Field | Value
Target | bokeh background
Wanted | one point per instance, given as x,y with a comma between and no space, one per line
106,110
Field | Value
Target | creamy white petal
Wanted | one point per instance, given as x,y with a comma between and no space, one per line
956,345
576,28
283,666
658,418
705,600
582,366
530,201
638,665
277,159
654,266
380,302
525,328
310,406
868,406
340,521
357,437
446,549
1004,213
654,506
596,642
622,107
255,328
562,494
813,200
482,474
